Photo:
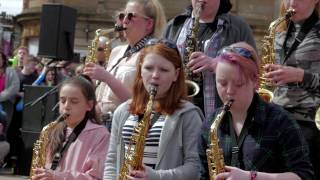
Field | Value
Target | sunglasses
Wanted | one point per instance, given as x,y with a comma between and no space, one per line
166,42
238,50
100,49
131,15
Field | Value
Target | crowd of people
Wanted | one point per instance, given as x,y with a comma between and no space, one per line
105,103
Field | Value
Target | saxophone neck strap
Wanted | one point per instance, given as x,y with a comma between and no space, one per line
306,27
131,50
237,141
73,136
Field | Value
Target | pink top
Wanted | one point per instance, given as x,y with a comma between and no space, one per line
85,157
2,82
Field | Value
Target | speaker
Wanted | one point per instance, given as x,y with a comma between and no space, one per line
35,117
57,31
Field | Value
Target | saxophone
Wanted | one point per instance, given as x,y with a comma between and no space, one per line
268,54
40,146
317,120
214,152
192,46
134,153
109,34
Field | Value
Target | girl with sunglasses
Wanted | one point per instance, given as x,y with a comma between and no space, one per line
170,150
259,140
141,20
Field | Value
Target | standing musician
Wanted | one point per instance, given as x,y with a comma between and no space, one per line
141,20
258,140
217,28
77,144
296,73
170,150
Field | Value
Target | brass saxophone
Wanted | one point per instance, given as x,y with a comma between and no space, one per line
134,153
192,46
40,146
214,152
317,120
268,54
109,34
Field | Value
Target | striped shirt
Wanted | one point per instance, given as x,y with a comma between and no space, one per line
152,139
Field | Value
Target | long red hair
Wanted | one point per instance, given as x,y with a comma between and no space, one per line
175,94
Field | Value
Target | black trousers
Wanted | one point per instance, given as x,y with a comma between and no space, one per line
312,136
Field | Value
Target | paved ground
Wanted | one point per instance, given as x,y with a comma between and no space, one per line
13,177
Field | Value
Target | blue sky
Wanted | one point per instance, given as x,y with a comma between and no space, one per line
12,7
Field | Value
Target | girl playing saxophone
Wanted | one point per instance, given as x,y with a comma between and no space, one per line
77,145
170,152
258,140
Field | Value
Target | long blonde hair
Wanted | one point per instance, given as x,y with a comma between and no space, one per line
154,10
284,26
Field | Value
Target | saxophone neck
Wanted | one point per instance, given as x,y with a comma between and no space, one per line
197,10
288,14
219,117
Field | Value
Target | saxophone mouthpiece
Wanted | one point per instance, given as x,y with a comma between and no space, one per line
228,104
153,90
118,28
290,12
63,117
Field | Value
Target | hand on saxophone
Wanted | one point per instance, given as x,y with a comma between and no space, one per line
200,62
96,72
43,174
138,174
279,75
233,173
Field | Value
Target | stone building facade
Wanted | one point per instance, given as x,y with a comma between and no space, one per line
95,14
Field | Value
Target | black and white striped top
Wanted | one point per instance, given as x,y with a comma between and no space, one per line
152,140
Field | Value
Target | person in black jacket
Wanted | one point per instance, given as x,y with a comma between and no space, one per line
217,28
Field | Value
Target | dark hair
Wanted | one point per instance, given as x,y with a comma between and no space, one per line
84,83
57,135
225,7
5,60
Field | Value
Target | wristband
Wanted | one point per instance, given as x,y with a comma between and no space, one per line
253,175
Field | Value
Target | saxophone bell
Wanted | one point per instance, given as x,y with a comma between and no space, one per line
192,88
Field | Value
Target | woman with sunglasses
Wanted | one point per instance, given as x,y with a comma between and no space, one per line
259,140
170,150
141,20
296,72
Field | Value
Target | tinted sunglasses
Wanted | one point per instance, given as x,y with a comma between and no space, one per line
131,15
167,43
238,50
100,49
